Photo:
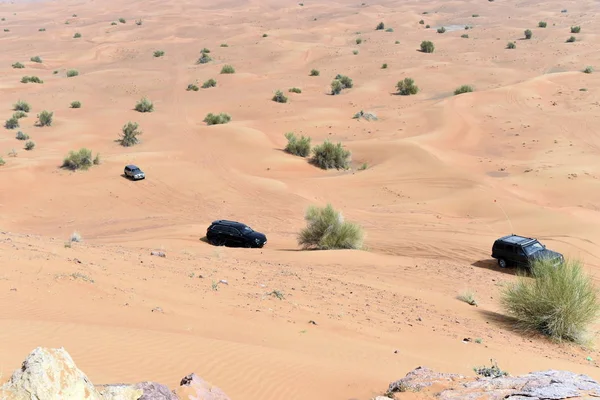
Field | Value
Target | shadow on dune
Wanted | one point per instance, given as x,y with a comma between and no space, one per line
492,265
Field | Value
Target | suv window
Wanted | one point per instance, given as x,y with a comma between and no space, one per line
499,246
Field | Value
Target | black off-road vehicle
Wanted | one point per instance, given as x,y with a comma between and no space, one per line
522,251
235,234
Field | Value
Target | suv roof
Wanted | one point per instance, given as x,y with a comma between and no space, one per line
228,223
516,239
131,166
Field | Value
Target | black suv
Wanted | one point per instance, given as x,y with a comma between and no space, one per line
522,252
235,234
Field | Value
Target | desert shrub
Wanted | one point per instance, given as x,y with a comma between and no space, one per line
36,59
427,46
122,20
297,146
575,29
384,66
209,83
314,72
467,297
138,22
18,65
441,30
45,118
224,45
421,22
369,116
336,87
129,134
326,230
279,97
81,159
355,52
358,41
227,69
407,87
77,35
205,50
265,35
463,89
76,104
560,301
295,90
72,72
397,42
55,72
19,114
464,36
346,81
6,30
113,23
42,29
217,119
380,26
204,58
328,155
2,162
21,106
144,105
542,24
11,123
389,30
475,15
511,45
571,39
29,145
490,372
528,34
588,70
192,87
96,159
31,79
22,136
159,53
427,26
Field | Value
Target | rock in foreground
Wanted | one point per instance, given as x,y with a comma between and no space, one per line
544,385
51,374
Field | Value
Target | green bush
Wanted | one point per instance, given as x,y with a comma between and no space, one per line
45,118
29,145
336,87
217,119
42,29
265,35
31,79
19,114
422,22
295,90
511,45
72,72
355,52
560,301
144,105
528,34
81,159
571,39
113,23
326,230
575,29
297,146
389,30
209,83
96,159
314,72
2,162
490,372
464,36
122,20
279,97
380,26
224,45
427,26
11,123
159,53
407,87
204,58
22,136
384,66
329,155
475,15
76,104
205,50
441,30
463,89
77,35
18,65
129,135
227,69
36,59
542,24
358,41
192,87
427,46
21,106
588,70
346,81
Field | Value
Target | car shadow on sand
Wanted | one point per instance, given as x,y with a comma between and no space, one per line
492,265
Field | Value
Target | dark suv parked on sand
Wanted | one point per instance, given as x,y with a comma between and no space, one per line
522,252
235,234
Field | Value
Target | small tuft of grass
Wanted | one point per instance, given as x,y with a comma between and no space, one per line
18,65
407,87
227,69
295,90
297,146
427,26
467,297
326,229
138,22
279,97
358,40
129,134
29,145
72,72
384,66
192,87
21,106
422,22
224,45
463,89
490,372
204,58
42,30
464,36
588,70
205,50
380,26
19,114
441,30
265,35
96,159
31,79
144,105
511,45
2,162
36,59
571,39
528,34
122,20
475,15
542,24
389,30
397,42
11,123
22,136
159,53
113,23
76,104
369,116
427,46
478,340
45,118
314,72
209,83
277,294
355,52
81,159
363,167
217,119
77,35
575,29
328,156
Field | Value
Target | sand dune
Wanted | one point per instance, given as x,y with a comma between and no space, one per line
445,176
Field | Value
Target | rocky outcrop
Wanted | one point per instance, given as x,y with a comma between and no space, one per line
51,374
544,385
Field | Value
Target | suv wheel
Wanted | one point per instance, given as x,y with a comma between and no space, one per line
502,263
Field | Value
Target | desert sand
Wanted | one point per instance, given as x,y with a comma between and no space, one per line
445,176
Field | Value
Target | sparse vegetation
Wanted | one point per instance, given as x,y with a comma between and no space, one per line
42,29
122,20
468,297
227,69
369,116
29,145
380,26
209,83
561,302
144,105
19,114
159,53
72,72
2,162
339,83
328,156
138,22
18,65
224,45
217,119
397,42
441,30
314,72
407,87
77,35
336,87
129,134
427,26
297,146
279,97
75,237
36,59
358,40
277,294
21,106
45,118
571,39
542,24
475,15
205,50
588,70
427,46
421,22
463,89
511,45
295,90
192,87
389,30
31,79
76,104
464,36
113,23
326,230
490,372
265,35
96,159
204,58
22,136
81,159
11,123
575,29
528,34
355,52
384,66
